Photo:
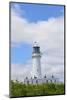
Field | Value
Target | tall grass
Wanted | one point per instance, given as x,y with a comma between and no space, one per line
18,89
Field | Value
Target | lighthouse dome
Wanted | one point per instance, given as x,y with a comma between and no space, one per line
36,48
35,44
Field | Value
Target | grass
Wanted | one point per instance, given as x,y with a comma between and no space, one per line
19,89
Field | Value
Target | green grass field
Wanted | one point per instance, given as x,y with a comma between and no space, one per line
19,89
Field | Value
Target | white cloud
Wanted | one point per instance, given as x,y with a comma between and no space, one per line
20,71
50,36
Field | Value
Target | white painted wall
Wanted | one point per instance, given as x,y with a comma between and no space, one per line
40,81
36,65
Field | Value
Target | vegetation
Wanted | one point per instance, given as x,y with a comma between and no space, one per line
18,89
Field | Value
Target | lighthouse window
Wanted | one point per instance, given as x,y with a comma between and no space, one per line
45,76
36,49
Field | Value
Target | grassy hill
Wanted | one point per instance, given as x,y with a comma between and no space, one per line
18,89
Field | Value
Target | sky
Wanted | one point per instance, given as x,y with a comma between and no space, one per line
41,23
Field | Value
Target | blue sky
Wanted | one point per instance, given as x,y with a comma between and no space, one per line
21,54
35,12
42,23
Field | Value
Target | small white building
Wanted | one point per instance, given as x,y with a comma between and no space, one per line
36,80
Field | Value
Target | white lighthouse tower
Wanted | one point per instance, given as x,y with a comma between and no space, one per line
36,56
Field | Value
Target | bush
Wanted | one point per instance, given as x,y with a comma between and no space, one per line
19,89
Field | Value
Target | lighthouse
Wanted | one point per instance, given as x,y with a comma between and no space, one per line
36,61
36,77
